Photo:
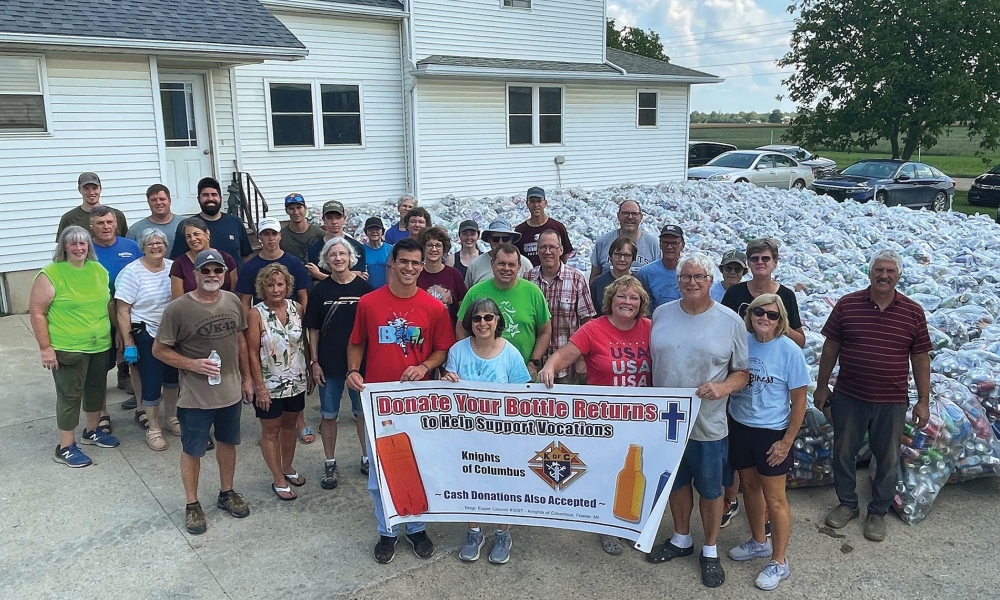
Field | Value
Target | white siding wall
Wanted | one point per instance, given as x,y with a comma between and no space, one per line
463,140
225,134
102,121
340,51
556,30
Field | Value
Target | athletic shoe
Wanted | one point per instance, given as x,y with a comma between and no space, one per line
233,502
72,456
502,542
364,465
750,549
99,438
129,404
194,519
474,541
155,441
767,528
772,575
385,549
329,480
423,547
732,509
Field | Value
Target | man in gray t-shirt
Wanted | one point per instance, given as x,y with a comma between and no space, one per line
160,216
698,343
629,219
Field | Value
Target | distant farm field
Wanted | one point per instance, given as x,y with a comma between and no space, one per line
954,154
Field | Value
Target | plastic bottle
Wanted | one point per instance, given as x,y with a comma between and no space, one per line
630,487
215,379
399,466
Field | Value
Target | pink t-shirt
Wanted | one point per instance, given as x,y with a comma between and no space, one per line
615,357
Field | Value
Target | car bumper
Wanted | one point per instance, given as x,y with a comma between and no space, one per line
982,196
840,194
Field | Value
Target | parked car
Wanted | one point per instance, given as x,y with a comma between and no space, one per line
765,169
821,167
700,153
891,182
985,190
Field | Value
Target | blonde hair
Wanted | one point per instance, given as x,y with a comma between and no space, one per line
265,275
764,300
623,283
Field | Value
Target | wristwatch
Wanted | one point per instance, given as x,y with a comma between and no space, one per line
537,362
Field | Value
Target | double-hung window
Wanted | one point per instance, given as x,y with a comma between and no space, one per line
516,3
534,115
646,108
314,114
22,95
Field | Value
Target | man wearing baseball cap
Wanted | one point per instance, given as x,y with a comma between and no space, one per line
499,232
270,252
660,277
468,234
89,186
376,251
299,235
733,267
227,231
538,222
334,216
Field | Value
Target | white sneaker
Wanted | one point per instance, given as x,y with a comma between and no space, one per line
773,574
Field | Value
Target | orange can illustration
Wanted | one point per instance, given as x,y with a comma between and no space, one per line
399,466
630,487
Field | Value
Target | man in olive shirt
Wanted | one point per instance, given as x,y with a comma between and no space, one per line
194,326
299,235
89,186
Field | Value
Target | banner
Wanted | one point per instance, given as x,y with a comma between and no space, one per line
589,458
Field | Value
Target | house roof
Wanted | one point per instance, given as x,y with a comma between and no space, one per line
243,24
633,63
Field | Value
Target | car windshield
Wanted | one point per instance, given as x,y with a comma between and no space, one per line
995,169
870,169
734,160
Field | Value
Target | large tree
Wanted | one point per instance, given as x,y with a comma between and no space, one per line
636,41
904,71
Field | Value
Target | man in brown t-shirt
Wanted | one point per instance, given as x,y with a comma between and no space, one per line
538,222
876,334
194,326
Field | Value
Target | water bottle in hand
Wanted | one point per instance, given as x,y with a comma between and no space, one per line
215,379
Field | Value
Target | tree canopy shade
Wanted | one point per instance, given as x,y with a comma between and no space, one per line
898,70
636,41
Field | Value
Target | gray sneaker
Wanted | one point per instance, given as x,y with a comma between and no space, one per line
773,574
502,542
329,480
750,550
473,543
840,516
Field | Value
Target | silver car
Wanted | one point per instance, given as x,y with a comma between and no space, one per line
821,167
764,169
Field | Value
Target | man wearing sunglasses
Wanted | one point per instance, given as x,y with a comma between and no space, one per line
194,326
537,223
299,235
733,267
629,219
660,277
499,232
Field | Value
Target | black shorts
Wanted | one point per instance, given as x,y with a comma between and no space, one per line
748,448
281,405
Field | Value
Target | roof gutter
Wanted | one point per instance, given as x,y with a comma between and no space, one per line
328,7
163,48
615,67
526,75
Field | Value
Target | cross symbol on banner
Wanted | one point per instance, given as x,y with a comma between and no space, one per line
673,416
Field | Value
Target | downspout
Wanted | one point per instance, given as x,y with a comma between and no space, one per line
414,110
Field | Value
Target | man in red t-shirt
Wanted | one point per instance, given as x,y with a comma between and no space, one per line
403,333
538,222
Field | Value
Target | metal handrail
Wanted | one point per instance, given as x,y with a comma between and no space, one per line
253,206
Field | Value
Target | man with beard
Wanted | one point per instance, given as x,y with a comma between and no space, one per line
228,233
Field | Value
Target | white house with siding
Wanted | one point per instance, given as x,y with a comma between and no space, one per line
358,100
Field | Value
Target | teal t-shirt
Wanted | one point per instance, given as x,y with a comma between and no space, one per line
524,311
506,367
776,367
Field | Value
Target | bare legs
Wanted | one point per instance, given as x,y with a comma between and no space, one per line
764,495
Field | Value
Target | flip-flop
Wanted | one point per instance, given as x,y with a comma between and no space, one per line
104,424
284,490
295,479
307,432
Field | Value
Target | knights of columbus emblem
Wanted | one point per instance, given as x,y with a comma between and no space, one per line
557,465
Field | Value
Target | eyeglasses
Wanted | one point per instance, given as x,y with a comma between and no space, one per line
480,318
535,200
623,255
772,315
548,248
409,263
671,244
734,267
629,215
762,258
434,245
213,270
700,277
501,239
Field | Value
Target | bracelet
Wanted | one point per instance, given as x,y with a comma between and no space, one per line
354,371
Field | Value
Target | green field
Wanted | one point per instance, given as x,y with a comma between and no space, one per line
961,204
954,154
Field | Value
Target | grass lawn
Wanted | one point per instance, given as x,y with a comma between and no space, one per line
961,204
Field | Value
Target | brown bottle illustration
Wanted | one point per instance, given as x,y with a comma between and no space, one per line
399,466
630,487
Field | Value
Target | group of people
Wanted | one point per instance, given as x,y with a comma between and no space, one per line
206,324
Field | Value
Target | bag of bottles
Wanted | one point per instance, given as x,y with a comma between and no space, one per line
813,451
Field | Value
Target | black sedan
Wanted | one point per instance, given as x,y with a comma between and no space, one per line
985,190
890,182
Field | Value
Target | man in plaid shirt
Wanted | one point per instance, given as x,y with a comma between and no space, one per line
568,296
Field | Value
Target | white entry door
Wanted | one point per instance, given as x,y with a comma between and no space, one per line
186,133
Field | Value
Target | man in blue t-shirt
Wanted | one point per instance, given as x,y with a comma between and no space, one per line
376,252
271,252
660,277
227,232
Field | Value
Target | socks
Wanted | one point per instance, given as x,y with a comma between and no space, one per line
331,461
475,529
682,541
710,551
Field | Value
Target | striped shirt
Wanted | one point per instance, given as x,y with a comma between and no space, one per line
568,297
875,345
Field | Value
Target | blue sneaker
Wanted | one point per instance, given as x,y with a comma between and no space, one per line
750,549
99,438
502,542
473,543
772,575
72,456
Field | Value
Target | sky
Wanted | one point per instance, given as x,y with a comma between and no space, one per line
712,35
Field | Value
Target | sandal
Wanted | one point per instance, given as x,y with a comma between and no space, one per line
611,545
278,491
141,418
104,424
295,479
307,432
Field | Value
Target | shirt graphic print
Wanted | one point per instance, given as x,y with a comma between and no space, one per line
402,332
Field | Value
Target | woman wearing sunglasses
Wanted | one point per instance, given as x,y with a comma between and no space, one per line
763,419
485,356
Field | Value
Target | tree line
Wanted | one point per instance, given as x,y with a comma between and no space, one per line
774,117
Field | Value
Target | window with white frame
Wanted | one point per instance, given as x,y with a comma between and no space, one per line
295,120
22,95
534,115
517,3
646,108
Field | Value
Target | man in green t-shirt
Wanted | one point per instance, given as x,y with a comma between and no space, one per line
526,317
299,235
89,186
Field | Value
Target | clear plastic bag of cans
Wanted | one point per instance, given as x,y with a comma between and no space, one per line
812,463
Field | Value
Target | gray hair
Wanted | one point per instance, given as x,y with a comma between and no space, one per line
72,235
351,252
698,259
403,199
148,235
101,211
887,254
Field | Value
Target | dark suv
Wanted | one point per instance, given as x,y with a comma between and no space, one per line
700,153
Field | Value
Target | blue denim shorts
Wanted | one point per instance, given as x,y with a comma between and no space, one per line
703,463
196,423
329,398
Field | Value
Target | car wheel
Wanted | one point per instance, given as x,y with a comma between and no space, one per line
940,202
742,180
799,184
882,197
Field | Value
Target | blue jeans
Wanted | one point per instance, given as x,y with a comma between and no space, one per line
155,375
330,395
373,489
